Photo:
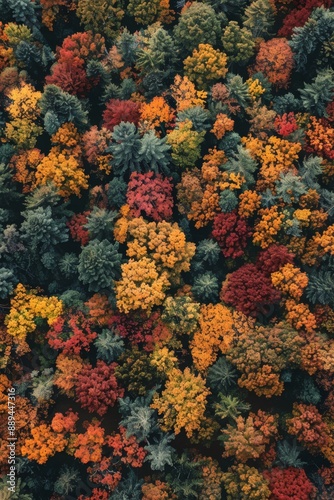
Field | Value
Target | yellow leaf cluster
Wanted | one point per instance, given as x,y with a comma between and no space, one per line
141,286
164,243
249,203
26,306
205,66
255,88
163,360
182,404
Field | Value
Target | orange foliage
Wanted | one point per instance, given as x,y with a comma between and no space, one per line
275,60
43,444
88,445
157,491
156,112
290,280
251,436
99,310
249,203
68,368
215,334
320,137
267,228
300,316
326,240
24,165
222,125
186,95
64,170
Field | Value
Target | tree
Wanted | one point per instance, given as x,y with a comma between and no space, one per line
245,482
143,11
262,353
104,18
215,334
88,445
307,39
126,447
185,144
64,170
251,436
43,444
186,95
182,403
249,290
120,111
164,243
96,388
259,17
99,265
22,129
141,286
181,314
198,23
71,333
205,66
59,107
289,482
238,43
231,233
275,60
315,96
150,195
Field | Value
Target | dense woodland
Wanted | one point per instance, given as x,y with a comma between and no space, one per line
167,248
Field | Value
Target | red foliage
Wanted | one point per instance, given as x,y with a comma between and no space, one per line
140,330
286,124
289,484
76,227
249,290
96,388
120,111
71,333
82,46
104,474
71,77
127,448
272,258
231,232
97,494
299,15
150,195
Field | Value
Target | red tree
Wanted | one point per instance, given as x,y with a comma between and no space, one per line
76,226
289,484
150,195
96,388
120,111
272,258
71,333
249,290
231,232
